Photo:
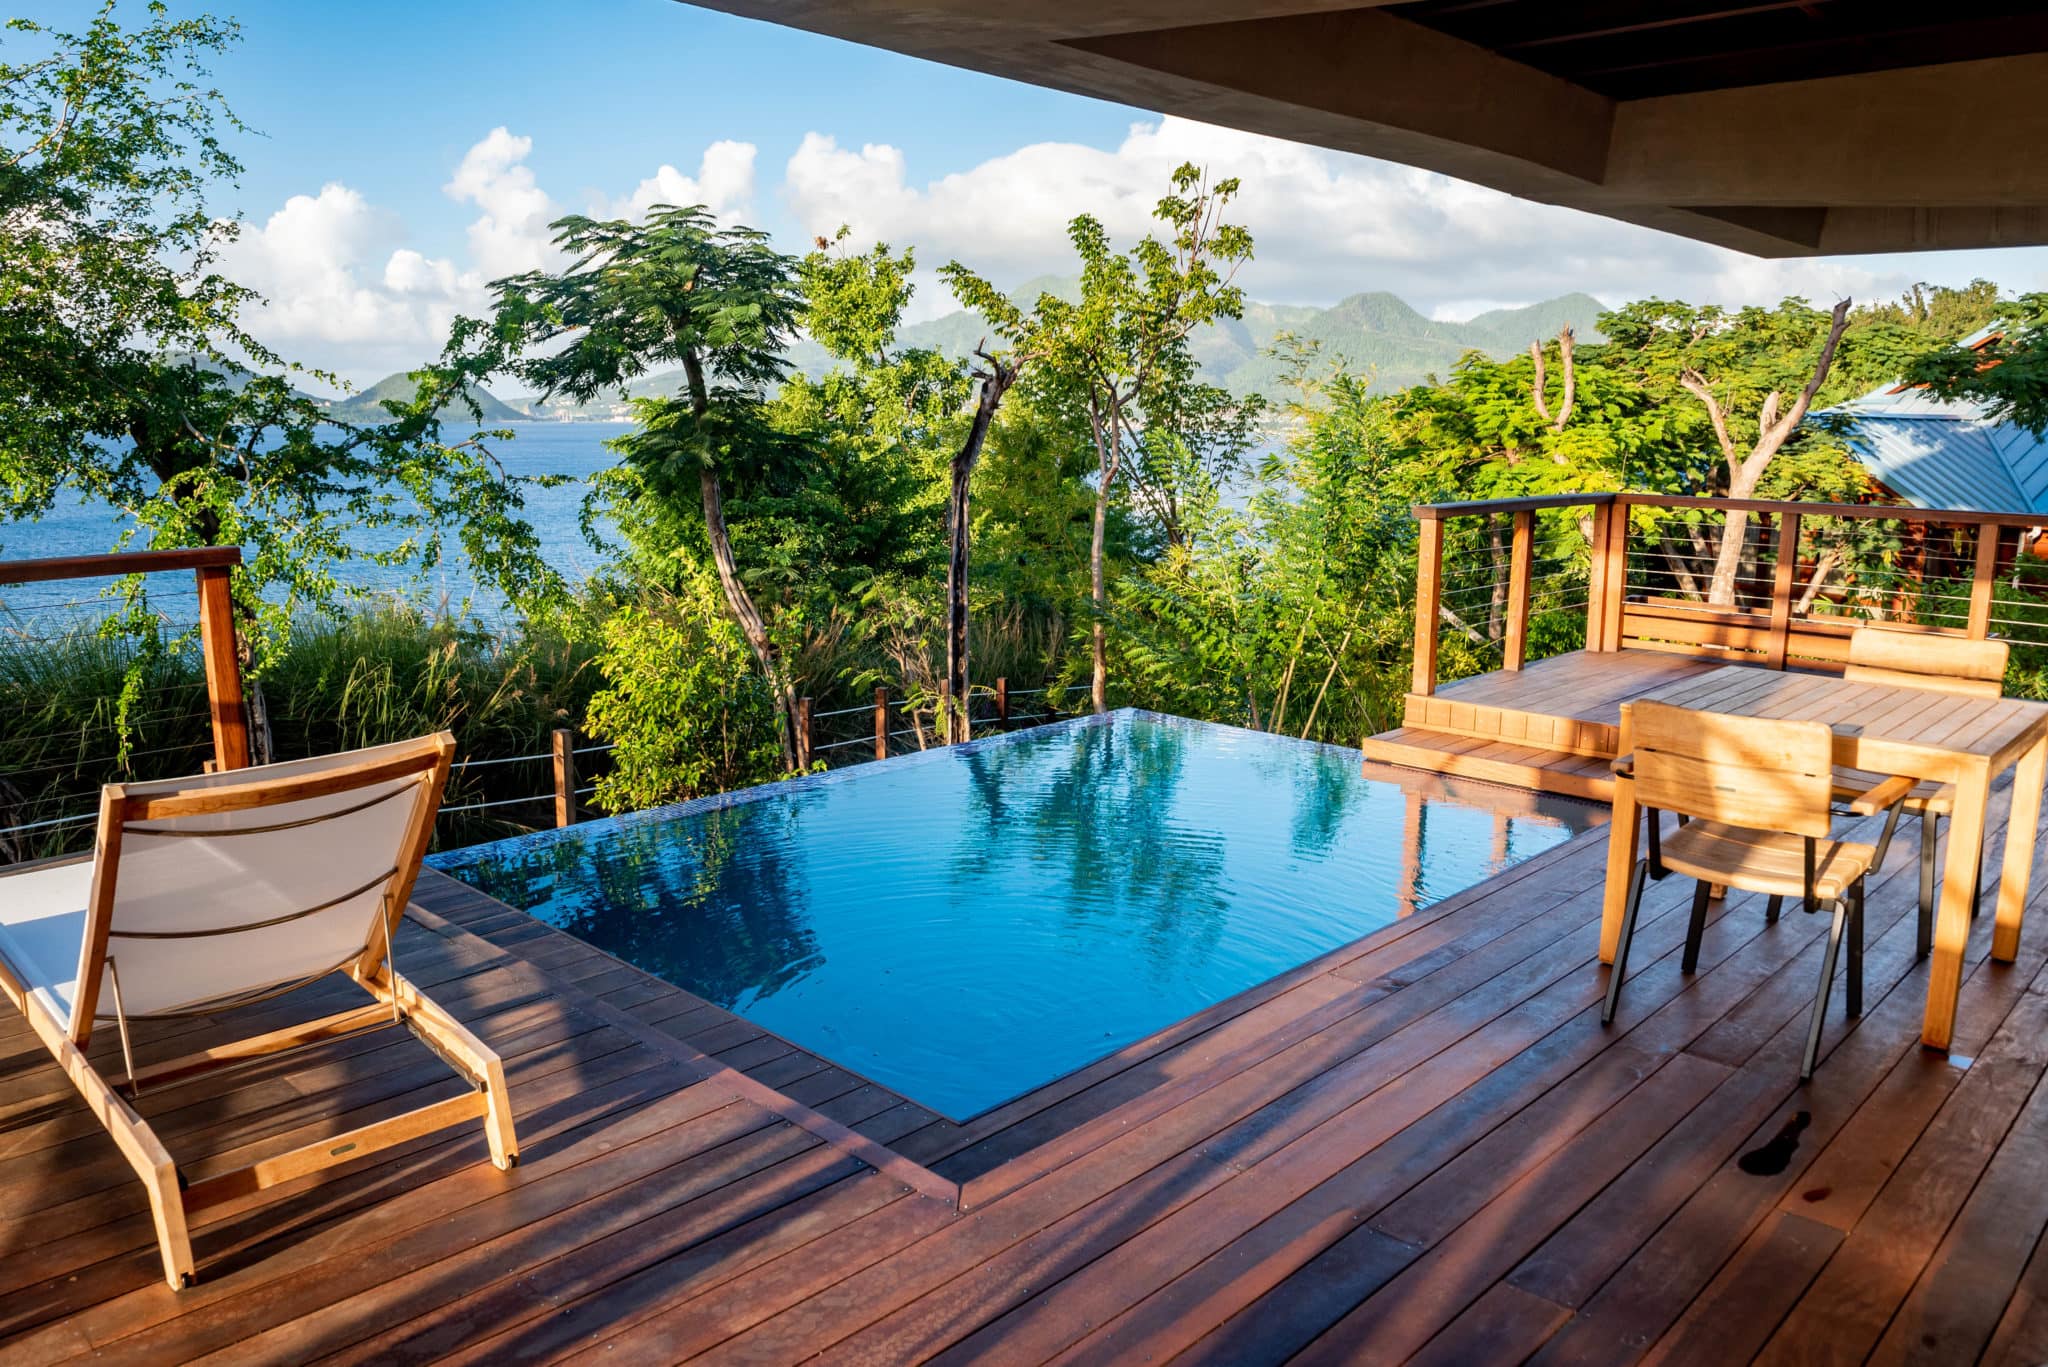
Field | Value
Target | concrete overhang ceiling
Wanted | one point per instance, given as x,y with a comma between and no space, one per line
1781,129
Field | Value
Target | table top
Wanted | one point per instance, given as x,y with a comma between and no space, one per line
1873,721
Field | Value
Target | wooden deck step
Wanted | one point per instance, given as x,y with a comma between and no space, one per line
1523,766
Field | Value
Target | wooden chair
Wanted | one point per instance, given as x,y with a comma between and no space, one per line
1913,659
207,894
1753,799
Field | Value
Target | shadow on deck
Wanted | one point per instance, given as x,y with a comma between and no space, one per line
1422,1146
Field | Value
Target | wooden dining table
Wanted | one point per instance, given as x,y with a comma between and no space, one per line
1886,729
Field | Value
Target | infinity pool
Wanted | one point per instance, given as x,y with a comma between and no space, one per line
965,925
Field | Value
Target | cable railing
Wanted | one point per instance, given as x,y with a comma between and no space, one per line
1781,584
877,729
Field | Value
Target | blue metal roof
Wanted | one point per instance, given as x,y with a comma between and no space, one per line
1940,453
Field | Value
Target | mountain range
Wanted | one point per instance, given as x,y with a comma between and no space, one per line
1376,331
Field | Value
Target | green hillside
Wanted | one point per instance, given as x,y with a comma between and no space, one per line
1375,331
368,406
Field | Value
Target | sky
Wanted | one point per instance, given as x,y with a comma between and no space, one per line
407,154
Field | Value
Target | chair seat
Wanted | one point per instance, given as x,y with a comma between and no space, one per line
1767,862
42,930
1929,798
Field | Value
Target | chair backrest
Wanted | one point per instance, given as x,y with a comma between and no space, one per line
1758,773
1922,659
224,889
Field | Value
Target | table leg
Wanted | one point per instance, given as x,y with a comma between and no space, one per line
2020,833
1624,825
1952,916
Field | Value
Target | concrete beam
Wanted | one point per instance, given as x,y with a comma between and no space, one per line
1922,158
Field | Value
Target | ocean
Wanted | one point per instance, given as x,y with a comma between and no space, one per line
79,527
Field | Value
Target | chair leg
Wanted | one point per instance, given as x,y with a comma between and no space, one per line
1628,933
1855,990
1771,910
1930,831
1828,960
1696,928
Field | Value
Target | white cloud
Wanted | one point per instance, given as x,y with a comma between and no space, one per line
327,300
348,291
1326,224
724,184
343,292
512,234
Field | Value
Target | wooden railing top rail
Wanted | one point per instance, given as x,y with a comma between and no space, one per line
120,562
1491,507
212,568
1487,507
1872,511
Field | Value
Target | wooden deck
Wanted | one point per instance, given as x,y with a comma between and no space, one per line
1422,1146
1551,727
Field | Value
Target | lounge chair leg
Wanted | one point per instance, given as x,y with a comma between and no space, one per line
1855,990
498,1132
1696,928
1930,832
1820,999
173,1239
1771,910
1628,933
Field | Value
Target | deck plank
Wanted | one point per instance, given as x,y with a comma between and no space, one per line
1421,1145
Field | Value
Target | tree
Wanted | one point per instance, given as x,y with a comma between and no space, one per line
855,306
676,289
1119,354
126,373
2008,373
1732,364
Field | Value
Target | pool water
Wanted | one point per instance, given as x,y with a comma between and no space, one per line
965,925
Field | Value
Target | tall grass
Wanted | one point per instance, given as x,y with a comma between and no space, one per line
387,674
390,673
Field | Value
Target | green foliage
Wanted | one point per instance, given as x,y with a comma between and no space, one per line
129,380
686,712
2008,374
1293,615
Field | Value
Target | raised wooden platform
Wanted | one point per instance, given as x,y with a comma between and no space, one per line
1552,726
1424,1146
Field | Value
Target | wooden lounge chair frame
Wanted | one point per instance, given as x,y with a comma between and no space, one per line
172,1198
1748,783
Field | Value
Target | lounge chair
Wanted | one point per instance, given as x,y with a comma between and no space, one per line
207,894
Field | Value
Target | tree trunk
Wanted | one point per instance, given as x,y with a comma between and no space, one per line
1746,472
744,613
1497,601
1108,449
994,381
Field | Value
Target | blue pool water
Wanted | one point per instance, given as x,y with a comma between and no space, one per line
966,925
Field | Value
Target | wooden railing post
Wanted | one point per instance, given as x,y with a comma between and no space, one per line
806,734
1003,703
1521,563
1614,582
1429,595
1596,582
881,723
222,655
1784,581
1984,580
565,776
